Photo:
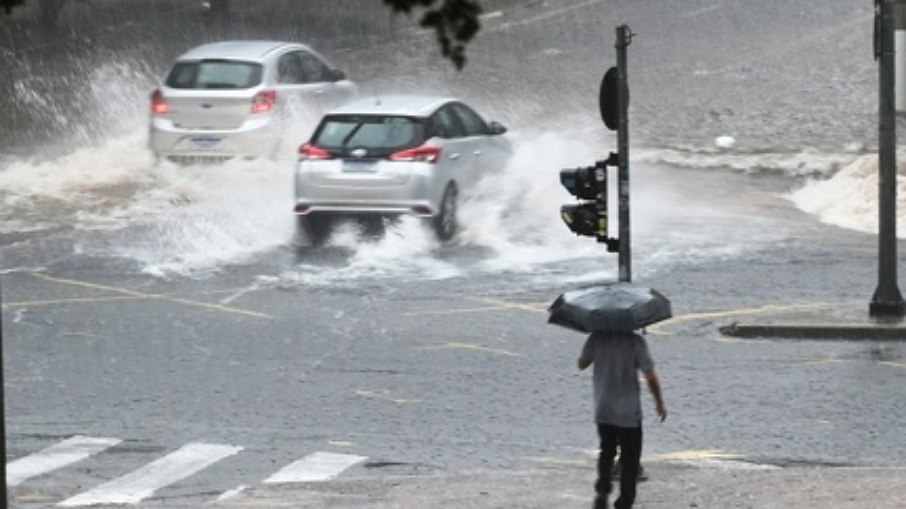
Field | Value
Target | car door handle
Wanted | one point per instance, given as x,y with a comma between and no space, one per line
477,152
454,155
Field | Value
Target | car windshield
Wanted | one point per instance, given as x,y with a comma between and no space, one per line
220,74
380,132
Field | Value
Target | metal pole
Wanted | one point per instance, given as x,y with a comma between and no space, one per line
887,300
3,496
625,254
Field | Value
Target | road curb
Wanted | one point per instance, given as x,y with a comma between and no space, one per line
818,332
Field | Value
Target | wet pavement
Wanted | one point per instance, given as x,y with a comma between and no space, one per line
670,486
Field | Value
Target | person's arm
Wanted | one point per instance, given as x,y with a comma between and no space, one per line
588,354
654,384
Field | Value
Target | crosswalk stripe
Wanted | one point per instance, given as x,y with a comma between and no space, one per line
143,482
229,494
59,455
319,466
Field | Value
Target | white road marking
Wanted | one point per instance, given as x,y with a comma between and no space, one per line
319,466
230,494
490,15
134,487
59,455
729,464
701,11
544,16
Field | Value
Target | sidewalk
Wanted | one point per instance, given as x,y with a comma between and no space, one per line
670,486
847,321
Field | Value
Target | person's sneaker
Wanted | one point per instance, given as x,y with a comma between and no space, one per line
619,505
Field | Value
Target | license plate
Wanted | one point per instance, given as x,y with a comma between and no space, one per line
358,166
205,142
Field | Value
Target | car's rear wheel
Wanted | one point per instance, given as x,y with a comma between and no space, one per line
445,220
312,228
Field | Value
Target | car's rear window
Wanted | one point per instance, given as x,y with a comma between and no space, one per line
383,133
215,74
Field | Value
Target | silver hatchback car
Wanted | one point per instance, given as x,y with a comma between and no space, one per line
385,156
233,98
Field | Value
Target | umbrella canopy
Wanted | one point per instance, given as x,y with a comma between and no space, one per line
614,307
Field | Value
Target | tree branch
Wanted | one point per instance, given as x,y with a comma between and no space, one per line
455,22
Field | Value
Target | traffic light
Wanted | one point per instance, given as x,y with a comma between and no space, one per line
588,184
581,182
583,219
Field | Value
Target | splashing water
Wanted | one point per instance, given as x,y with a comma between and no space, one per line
849,198
191,220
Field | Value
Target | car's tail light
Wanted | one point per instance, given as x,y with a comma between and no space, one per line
309,151
422,154
158,104
264,101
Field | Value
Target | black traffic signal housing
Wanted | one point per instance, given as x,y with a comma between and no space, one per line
588,184
582,183
583,219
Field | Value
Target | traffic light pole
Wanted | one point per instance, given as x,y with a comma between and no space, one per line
625,252
589,184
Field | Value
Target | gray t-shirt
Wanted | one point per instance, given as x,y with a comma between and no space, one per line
617,358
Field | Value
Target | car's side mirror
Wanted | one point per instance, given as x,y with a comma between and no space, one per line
337,75
496,128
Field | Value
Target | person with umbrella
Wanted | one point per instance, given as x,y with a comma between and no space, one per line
618,356
611,313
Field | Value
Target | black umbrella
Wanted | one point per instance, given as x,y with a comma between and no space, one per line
614,307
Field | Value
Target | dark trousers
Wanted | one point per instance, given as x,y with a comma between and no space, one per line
630,442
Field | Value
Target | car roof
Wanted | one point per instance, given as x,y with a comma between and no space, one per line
239,50
407,105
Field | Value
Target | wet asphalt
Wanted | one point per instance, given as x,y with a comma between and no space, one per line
431,377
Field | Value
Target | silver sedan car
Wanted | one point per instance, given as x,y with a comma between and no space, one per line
233,98
386,156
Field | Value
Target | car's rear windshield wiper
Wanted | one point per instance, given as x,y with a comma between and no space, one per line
351,134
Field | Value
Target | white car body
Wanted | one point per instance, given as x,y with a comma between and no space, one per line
231,99
408,155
